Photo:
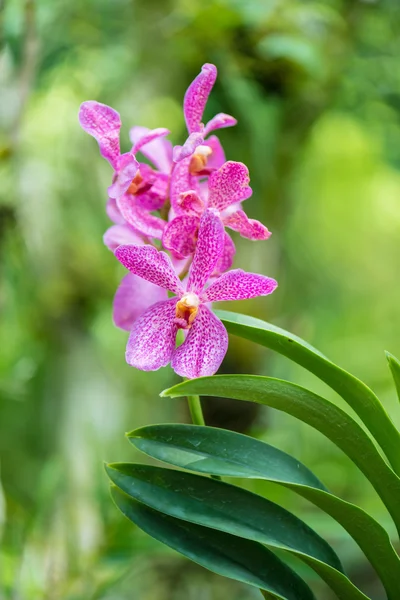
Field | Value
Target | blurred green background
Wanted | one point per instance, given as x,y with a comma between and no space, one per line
315,86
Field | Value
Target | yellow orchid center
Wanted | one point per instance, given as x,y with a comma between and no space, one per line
187,308
199,159
135,183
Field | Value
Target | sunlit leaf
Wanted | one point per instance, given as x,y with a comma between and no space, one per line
394,365
361,399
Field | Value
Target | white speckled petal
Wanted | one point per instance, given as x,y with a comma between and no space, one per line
204,349
210,246
197,95
149,263
229,185
152,339
239,285
104,124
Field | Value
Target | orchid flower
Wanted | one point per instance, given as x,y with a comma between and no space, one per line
136,188
227,188
152,340
194,104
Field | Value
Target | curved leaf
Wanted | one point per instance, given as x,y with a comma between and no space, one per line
394,366
224,554
324,416
236,511
225,453
360,397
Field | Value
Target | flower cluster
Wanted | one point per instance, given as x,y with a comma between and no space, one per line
183,201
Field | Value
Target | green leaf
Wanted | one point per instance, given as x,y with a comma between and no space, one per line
229,508
324,416
361,399
224,554
224,453
394,366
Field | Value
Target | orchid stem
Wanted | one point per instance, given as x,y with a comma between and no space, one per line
196,412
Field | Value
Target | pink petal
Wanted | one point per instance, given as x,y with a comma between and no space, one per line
104,124
226,260
180,152
239,285
180,235
156,196
210,246
158,151
191,203
219,122
148,137
133,296
121,234
248,228
152,340
181,181
197,95
217,158
127,168
113,212
141,219
228,185
204,349
150,264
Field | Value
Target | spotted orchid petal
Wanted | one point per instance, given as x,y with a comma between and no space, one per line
180,152
191,203
121,234
152,339
248,228
229,185
217,156
239,285
180,235
150,264
127,169
197,95
104,124
140,219
209,248
181,182
133,296
220,121
203,351
226,260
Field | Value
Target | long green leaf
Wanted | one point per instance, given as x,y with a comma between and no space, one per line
360,397
231,509
224,554
394,366
324,416
224,453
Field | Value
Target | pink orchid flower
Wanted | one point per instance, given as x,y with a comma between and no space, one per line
152,341
228,186
136,188
195,147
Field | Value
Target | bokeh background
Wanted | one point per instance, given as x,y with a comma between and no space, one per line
315,86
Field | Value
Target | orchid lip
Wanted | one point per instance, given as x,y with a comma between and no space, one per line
186,310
